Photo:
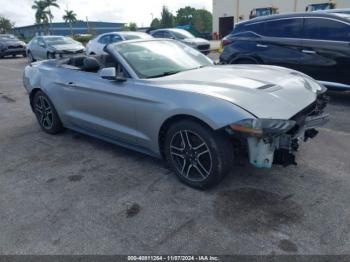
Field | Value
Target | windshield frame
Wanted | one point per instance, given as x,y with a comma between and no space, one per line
129,68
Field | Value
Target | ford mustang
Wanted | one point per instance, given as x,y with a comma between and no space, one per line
166,99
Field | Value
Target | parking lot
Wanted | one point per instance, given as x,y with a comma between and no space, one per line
72,194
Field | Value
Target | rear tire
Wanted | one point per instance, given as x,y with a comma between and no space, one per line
50,55
46,113
199,156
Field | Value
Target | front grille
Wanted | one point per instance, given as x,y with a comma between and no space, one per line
203,47
72,52
315,109
305,112
14,47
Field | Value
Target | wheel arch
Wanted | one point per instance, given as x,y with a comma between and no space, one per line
173,119
32,94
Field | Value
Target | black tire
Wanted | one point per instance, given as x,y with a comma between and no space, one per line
30,57
50,55
24,55
190,161
245,61
46,113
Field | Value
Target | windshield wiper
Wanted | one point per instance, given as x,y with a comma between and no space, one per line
168,73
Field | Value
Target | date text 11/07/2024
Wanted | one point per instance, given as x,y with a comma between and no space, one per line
173,258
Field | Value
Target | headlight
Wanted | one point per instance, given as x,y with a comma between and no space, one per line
192,44
263,127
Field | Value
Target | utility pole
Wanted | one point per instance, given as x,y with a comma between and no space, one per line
87,25
295,5
237,11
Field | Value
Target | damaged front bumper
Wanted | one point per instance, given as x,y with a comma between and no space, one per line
266,149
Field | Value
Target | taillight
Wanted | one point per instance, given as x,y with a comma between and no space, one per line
226,42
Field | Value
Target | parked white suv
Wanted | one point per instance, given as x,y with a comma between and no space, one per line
96,45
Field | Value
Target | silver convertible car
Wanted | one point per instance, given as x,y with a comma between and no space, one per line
166,99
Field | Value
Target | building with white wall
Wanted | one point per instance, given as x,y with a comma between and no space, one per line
228,12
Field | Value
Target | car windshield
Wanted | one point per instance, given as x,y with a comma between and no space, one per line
151,59
8,37
57,40
182,34
136,36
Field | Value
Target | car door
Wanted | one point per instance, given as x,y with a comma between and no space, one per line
97,106
101,43
34,48
41,49
326,50
280,42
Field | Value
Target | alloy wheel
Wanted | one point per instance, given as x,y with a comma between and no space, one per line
44,112
191,155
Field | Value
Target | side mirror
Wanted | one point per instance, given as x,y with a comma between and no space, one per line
110,73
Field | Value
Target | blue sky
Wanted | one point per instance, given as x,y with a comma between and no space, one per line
139,11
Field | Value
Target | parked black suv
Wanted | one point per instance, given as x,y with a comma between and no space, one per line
11,46
317,44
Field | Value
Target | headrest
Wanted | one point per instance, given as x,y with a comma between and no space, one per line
91,64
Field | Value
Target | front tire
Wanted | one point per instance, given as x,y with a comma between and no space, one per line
199,156
30,57
46,114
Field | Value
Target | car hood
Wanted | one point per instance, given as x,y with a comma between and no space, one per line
196,40
264,91
68,47
11,42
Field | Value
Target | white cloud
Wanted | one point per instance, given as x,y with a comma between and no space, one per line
139,11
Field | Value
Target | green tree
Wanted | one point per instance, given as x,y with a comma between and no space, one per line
70,17
167,18
130,27
155,23
41,15
202,20
184,16
49,4
5,25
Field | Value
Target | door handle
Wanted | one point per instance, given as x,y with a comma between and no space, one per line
263,46
309,52
71,84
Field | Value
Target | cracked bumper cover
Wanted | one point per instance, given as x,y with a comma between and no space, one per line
266,151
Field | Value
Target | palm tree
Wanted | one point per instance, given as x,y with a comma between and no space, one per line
41,14
70,17
49,4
